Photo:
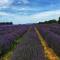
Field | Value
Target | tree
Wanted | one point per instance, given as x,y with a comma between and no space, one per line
51,21
6,23
59,20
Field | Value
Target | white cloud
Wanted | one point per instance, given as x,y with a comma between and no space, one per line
24,1
46,15
16,19
3,14
22,19
5,3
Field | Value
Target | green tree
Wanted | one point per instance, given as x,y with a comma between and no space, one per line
59,20
51,21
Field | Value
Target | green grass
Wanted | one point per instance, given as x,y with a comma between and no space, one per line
47,33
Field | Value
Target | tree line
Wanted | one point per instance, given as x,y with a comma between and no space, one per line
51,21
6,23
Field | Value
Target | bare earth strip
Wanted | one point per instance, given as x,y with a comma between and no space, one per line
30,48
49,53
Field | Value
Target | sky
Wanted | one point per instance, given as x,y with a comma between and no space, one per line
29,11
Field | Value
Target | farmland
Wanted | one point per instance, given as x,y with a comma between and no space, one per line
30,42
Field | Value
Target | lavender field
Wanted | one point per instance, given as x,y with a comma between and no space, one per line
29,29
26,43
51,33
9,34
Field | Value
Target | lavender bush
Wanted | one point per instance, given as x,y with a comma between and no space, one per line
9,34
52,39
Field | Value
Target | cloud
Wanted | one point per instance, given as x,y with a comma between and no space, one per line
47,15
5,3
20,10
34,18
21,2
3,14
25,1
16,19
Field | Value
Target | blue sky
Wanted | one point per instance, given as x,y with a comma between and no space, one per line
29,11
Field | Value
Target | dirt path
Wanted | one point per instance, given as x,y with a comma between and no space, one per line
30,48
49,53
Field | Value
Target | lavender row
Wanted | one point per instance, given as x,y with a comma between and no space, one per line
52,39
9,28
54,28
7,39
30,48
